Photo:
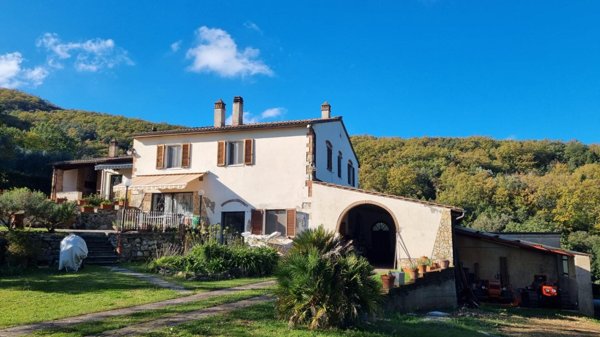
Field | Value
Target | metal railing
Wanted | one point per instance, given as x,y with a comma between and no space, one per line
136,220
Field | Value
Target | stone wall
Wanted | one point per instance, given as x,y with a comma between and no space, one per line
442,248
140,246
102,219
436,290
48,245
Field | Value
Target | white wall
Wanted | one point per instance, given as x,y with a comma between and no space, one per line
418,223
334,133
275,181
70,180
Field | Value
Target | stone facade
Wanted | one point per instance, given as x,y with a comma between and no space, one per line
102,219
442,248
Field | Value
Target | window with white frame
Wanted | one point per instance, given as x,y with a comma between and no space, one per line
235,153
173,156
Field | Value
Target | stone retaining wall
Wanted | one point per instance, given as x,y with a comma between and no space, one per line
102,219
139,246
435,291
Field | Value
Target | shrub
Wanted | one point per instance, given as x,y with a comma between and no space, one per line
216,261
21,251
322,283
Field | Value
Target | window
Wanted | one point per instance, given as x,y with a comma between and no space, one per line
339,164
173,156
565,266
235,153
177,203
276,221
329,156
351,177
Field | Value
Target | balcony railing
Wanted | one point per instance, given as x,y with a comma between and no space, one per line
136,220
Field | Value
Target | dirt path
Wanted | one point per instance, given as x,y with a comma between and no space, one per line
157,281
64,322
174,320
552,327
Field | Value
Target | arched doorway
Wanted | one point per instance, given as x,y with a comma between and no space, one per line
373,232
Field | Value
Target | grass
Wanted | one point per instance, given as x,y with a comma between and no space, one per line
26,229
93,328
199,286
259,320
46,294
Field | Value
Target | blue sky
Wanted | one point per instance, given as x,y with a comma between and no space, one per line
505,69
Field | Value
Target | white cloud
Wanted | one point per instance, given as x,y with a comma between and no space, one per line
90,55
250,118
217,52
175,46
12,75
252,26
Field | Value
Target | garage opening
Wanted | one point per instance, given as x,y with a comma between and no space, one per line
373,231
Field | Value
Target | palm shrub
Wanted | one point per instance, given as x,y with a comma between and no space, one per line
322,283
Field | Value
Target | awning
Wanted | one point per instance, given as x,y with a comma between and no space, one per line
112,166
162,182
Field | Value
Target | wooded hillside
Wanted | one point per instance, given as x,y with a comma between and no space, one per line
34,133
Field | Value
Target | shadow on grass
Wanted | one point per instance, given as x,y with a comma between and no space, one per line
88,280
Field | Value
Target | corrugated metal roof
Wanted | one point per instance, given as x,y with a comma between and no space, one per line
515,243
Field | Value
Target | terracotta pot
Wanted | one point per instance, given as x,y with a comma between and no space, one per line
82,202
122,203
413,273
106,206
387,281
422,269
444,264
61,200
87,209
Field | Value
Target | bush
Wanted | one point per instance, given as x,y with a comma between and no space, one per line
322,283
20,252
216,261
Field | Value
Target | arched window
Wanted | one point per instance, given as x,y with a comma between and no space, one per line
329,156
351,177
381,227
339,164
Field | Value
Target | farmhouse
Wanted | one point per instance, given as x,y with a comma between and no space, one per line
292,175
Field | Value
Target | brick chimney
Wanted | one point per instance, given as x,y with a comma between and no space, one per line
219,113
238,111
113,148
325,110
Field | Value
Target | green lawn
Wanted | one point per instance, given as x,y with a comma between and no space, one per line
259,320
47,294
98,327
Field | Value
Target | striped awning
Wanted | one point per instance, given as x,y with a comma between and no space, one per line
162,182
112,166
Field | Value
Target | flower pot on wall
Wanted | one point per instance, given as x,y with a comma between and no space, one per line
106,206
387,281
81,202
87,209
444,264
422,269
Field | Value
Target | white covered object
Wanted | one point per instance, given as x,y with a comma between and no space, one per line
72,252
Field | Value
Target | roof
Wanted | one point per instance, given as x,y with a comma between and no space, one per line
497,238
118,166
232,128
419,201
93,161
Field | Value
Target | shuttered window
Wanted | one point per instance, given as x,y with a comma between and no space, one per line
256,221
291,222
185,155
221,153
248,151
160,156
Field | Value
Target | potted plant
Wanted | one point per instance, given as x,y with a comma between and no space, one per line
87,209
61,200
444,264
106,205
81,202
422,263
121,202
387,281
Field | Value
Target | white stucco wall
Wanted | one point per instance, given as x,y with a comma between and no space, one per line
275,181
70,180
334,133
417,223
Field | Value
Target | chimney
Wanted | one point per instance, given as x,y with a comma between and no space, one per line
325,110
113,148
238,111
219,113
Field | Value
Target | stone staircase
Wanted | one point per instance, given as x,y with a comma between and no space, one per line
100,250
